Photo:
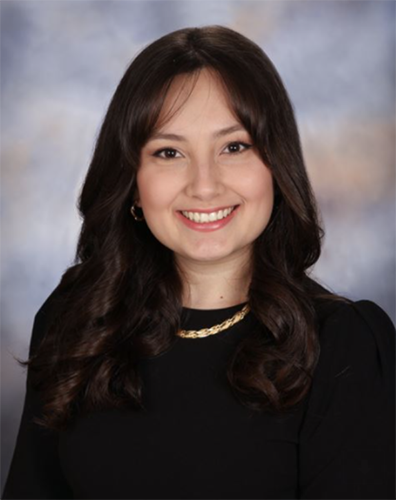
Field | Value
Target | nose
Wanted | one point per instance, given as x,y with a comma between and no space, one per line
205,180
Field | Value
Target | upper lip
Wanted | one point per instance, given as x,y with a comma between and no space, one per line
207,210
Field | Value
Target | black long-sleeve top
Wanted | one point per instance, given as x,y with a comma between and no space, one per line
197,441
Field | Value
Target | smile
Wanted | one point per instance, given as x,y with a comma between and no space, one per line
204,217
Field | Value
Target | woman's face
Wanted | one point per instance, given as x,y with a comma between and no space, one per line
197,164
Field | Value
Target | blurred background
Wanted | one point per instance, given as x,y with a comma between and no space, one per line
60,64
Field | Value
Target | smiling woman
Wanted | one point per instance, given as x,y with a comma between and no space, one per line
212,196
187,353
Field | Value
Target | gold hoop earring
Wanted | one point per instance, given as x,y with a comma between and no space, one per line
136,217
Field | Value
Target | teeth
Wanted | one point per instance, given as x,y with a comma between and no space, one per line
205,217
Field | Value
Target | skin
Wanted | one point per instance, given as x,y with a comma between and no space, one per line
203,172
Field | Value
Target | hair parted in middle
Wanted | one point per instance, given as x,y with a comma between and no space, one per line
121,300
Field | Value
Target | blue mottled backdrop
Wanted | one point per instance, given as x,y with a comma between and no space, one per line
60,64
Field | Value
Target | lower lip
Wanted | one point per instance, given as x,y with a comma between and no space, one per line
207,226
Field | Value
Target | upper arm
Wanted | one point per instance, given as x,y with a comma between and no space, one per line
347,438
35,470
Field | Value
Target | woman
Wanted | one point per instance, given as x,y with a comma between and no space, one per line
186,353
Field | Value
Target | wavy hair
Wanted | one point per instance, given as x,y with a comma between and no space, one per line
121,299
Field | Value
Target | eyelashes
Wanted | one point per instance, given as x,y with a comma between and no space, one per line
238,143
158,153
173,151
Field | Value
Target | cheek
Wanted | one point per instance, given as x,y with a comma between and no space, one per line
258,186
156,191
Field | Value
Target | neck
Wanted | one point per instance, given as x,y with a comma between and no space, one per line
215,285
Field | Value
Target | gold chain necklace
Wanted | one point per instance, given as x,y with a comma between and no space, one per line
228,323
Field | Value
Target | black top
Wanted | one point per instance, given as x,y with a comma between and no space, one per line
197,441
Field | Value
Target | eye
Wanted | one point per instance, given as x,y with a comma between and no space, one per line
234,147
170,153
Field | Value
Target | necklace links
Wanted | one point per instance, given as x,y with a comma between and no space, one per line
205,332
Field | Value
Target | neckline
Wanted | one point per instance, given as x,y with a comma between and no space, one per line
221,309
196,319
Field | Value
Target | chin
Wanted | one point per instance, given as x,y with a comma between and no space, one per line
208,256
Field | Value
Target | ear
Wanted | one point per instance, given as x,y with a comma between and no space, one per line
136,198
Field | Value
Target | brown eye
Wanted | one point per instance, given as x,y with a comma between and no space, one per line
235,147
169,153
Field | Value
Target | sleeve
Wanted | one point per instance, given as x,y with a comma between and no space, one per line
347,439
35,470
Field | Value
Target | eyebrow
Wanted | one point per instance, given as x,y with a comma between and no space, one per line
219,133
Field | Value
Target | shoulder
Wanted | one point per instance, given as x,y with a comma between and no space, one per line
348,318
44,317
355,336
333,311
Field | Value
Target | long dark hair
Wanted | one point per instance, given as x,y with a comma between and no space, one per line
120,301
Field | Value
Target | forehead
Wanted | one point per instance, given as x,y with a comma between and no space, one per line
195,94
